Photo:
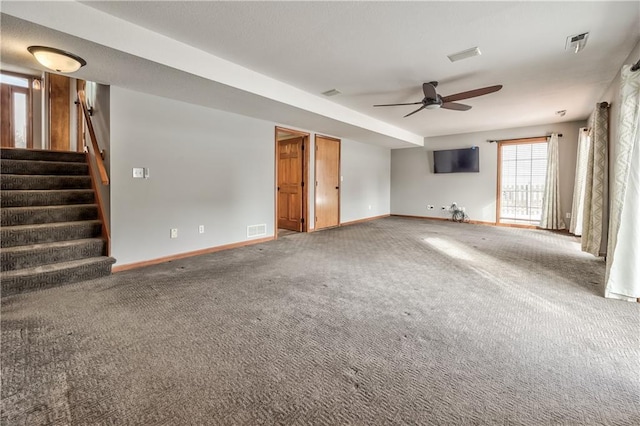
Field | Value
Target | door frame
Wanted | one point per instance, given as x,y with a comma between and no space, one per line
500,144
315,176
28,91
306,140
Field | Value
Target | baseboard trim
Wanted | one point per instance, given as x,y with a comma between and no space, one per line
517,225
135,265
444,219
366,219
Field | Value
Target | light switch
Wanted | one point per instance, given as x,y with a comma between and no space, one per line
146,173
138,172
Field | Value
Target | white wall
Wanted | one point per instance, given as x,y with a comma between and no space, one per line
207,167
365,189
414,185
211,168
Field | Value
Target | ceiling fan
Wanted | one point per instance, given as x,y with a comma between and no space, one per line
433,101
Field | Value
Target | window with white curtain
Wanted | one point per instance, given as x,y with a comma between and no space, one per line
521,176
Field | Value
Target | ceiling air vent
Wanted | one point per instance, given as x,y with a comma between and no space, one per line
256,230
576,43
469,53
331,92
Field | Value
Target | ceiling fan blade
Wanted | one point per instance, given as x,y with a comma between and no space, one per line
412,103
419,109
429,91
456,107
471,93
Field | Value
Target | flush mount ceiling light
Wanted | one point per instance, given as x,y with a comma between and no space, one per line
56,59
469,53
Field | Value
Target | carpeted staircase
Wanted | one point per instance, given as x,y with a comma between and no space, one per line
50,228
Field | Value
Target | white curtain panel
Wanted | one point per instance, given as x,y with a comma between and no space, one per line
596,182
577,208
623,259
551,208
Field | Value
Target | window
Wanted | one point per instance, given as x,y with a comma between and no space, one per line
521,179
13,80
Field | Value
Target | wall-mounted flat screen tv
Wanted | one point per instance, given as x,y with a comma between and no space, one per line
457,160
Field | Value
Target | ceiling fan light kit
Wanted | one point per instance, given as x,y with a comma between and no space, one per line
432,100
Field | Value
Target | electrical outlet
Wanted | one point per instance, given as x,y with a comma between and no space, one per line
138,172
174,232
569,215
201,229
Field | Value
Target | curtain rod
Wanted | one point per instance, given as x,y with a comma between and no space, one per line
521,139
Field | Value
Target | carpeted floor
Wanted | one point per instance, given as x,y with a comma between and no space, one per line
395,321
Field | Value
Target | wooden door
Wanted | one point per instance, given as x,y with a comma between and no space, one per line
327,201
290,160
59,112
5,113
15,116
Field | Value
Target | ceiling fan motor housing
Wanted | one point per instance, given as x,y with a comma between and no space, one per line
430,103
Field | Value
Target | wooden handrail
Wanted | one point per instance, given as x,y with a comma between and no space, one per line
104,177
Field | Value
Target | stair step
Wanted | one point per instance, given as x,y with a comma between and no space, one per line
42,155
21,257
31,215
12,236
52,197
32,167
55,274
32,182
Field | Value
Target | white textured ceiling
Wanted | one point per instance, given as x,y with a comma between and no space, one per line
381,52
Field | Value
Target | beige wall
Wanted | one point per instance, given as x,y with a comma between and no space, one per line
213,168
414,185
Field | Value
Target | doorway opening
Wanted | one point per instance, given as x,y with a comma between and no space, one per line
522,170
16,96
292,169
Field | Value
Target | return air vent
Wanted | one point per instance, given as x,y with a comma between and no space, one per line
256,230
331,92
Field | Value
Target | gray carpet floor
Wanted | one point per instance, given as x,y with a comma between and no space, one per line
394,321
